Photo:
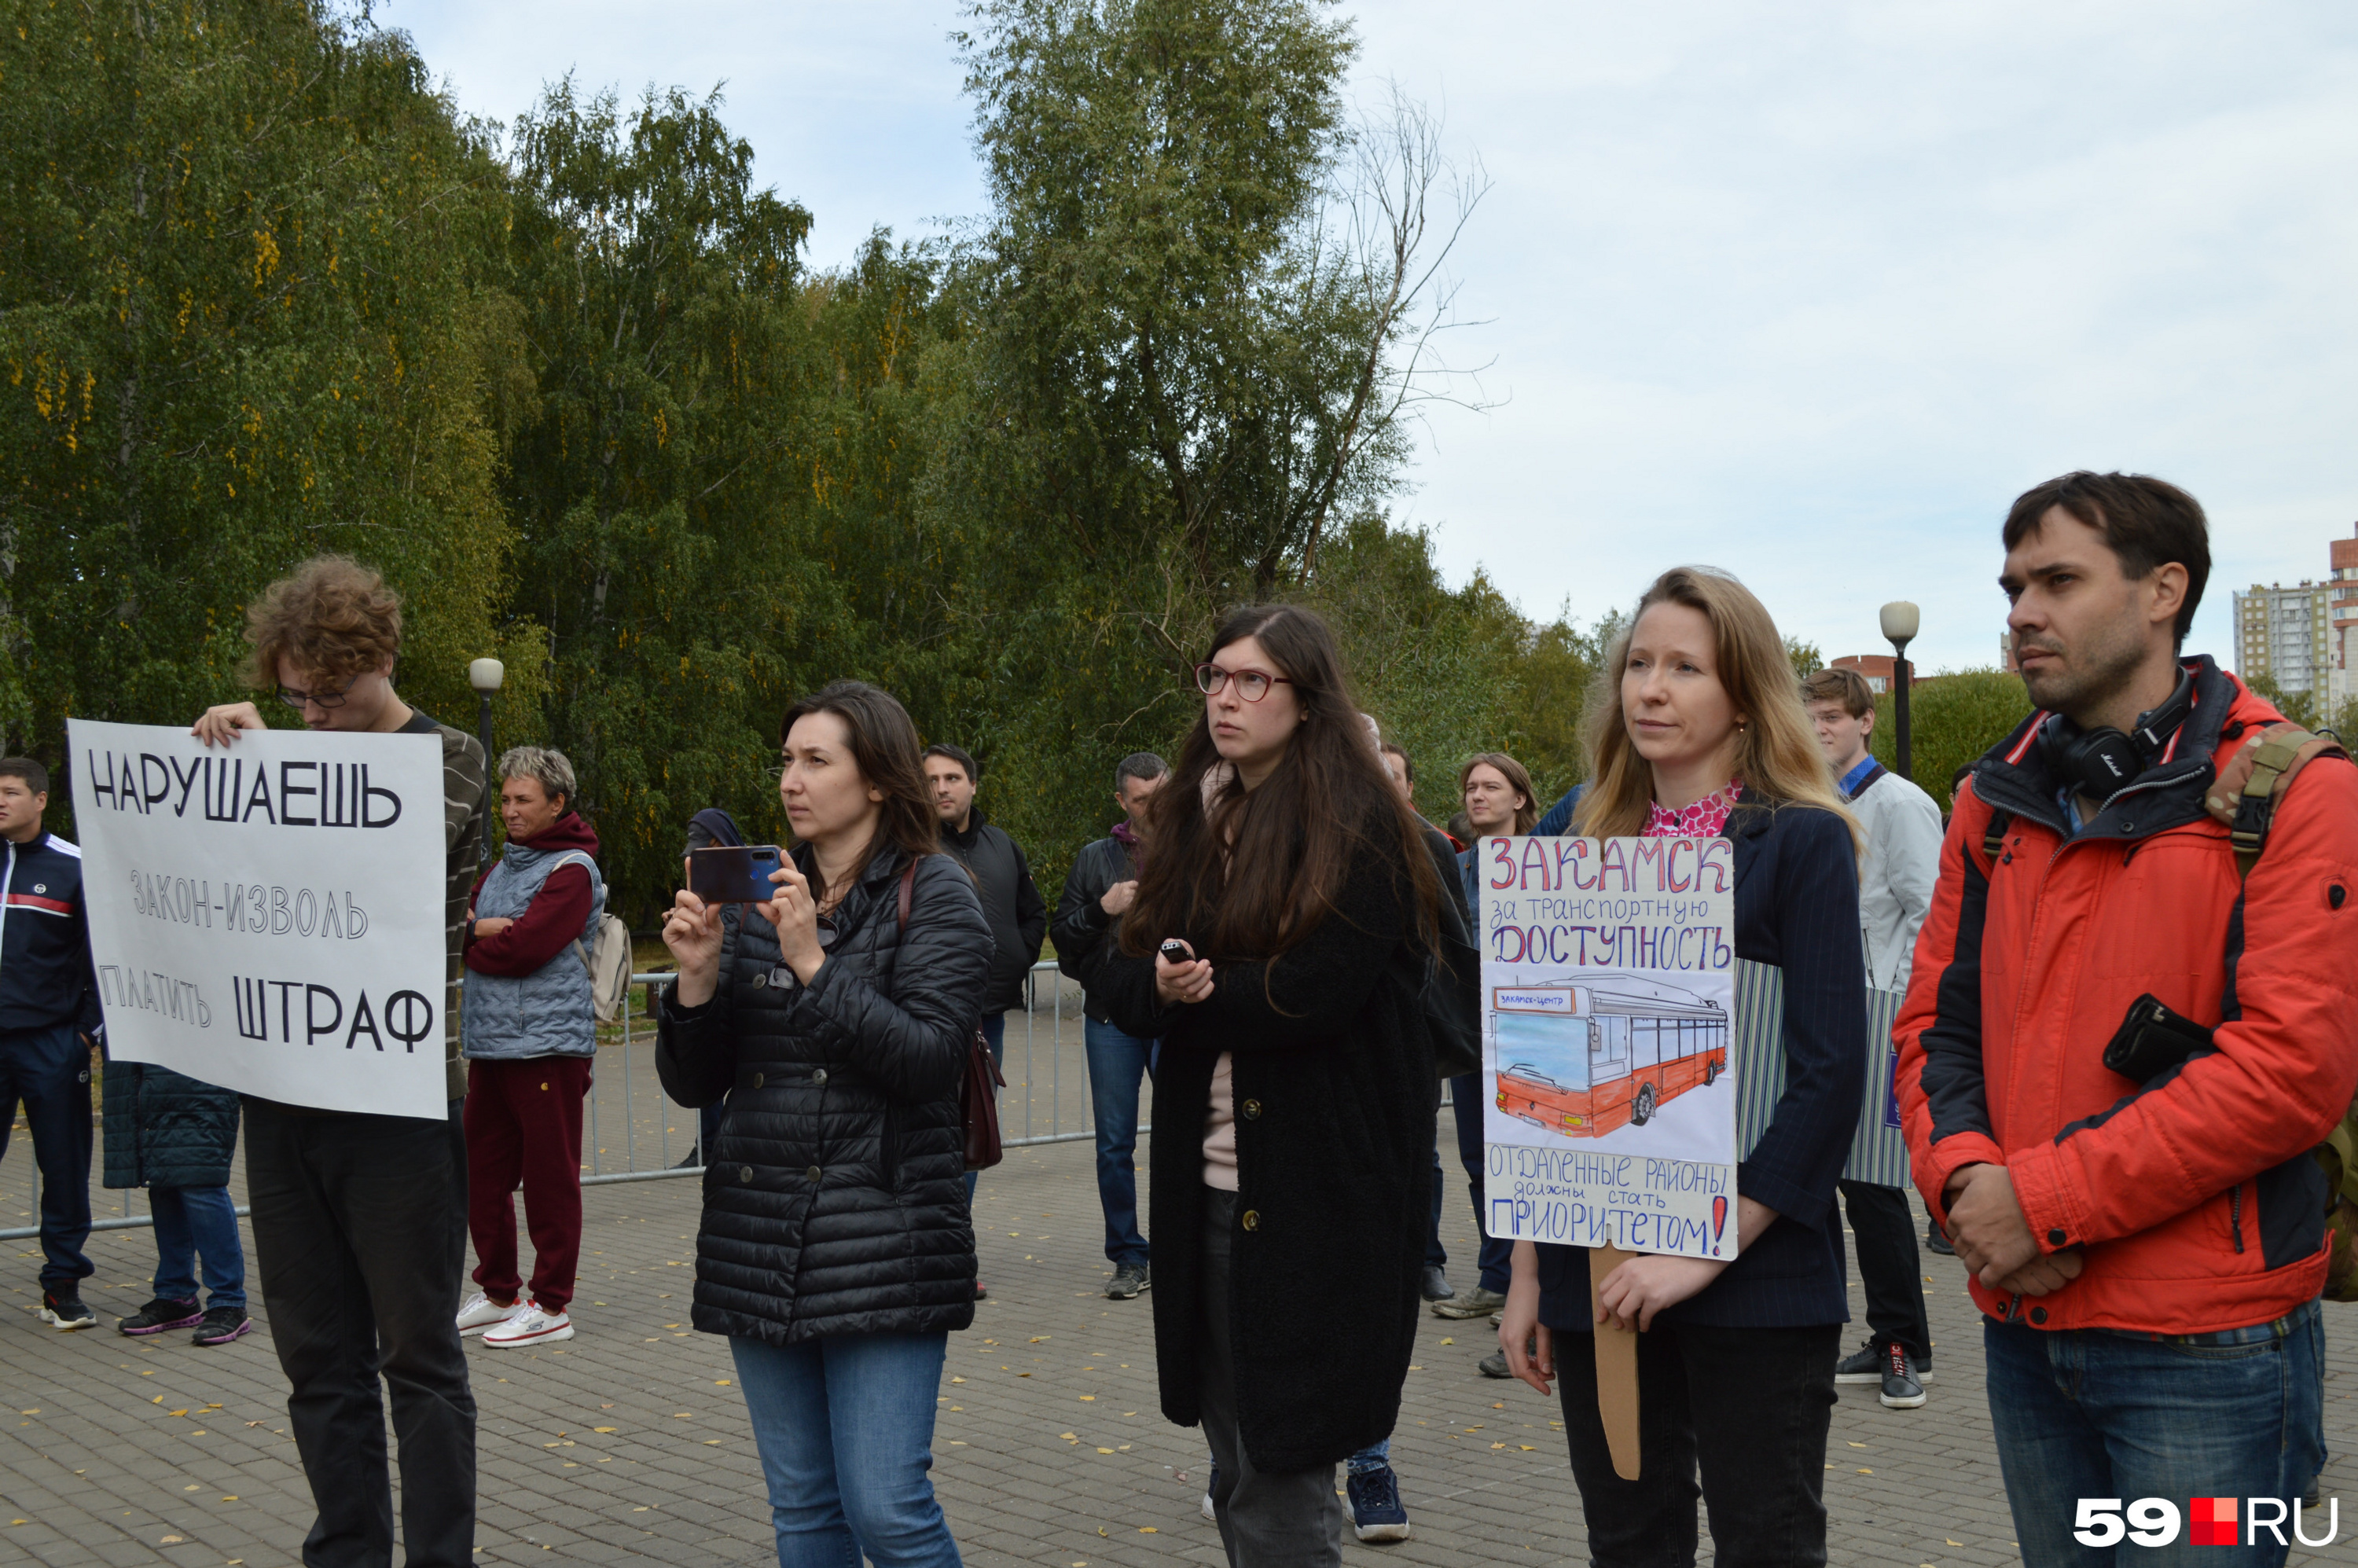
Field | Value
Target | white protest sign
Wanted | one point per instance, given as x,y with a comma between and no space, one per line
267,916
1609,985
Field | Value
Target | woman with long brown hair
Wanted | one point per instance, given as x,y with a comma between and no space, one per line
1290,1173
836,1251
1697,730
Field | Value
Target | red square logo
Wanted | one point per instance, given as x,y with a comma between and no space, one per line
2211,1521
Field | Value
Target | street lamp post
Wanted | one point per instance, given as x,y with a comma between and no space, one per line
485,676
1901,621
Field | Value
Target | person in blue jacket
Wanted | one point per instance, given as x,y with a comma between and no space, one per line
50,1019
1736,1357
175,1136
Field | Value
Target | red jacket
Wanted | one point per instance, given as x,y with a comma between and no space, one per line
2194,1197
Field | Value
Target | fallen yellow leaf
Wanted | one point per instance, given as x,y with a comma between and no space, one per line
1449,1342
1147,1529
181,1411
1867,1472
605,1429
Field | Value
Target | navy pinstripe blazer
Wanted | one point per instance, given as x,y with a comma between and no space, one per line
1797,907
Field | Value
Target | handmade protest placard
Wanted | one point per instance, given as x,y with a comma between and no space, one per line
268,917
1607,981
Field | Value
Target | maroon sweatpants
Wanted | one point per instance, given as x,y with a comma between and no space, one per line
523,1122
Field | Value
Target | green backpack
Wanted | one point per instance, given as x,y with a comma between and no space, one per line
2246,802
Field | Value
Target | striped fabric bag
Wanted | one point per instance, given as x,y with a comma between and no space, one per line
1879,1149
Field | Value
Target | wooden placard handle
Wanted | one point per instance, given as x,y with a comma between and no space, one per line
1617,1368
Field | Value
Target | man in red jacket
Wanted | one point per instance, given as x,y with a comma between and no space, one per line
2147,1246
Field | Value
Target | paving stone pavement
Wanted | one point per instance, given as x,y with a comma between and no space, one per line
629,1444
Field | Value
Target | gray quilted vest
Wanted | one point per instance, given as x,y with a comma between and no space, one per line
548,1012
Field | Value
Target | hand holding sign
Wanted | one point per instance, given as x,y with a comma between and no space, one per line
220,722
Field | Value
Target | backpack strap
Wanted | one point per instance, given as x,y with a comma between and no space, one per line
2254,779
575,857
1994,835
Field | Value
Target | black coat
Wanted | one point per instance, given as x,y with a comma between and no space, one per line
1011,904
1334,1086
166,1130
834,1195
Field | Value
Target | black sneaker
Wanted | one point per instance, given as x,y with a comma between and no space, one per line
67,1311
1937,1239
1128,1281
1494,1364
221,1325
158,1315
1902,1389
1865,1366
1376,1511
1436,1286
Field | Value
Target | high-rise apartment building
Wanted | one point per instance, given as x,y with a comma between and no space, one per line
2287,633
2342,615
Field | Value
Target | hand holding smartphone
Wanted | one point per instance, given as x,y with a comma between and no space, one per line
1179,975
733,873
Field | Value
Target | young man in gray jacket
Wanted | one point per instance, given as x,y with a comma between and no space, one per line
1895,893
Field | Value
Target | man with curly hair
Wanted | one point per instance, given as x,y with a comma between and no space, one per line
359,1221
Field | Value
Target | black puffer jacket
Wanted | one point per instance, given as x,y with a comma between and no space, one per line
1334,1086
166,1130
834,1196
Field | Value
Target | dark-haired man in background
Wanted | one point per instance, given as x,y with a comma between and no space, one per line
1011,902
1097,893
49,1019
2147,1245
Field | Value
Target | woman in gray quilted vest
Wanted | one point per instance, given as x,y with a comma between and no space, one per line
835,1249
529,1032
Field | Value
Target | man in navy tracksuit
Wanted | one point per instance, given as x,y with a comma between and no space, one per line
49,1018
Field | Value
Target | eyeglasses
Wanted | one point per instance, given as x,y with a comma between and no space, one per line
294,698
1252,684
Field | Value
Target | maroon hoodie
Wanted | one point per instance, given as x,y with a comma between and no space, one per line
554,917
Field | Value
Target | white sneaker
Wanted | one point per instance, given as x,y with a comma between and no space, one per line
480,1312
531,1326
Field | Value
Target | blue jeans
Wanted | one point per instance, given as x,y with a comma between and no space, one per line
2102,1413
846,1430
191,1222
994,1030
1497,1262
1117,1063
48,1069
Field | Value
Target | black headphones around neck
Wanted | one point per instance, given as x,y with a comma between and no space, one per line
2099,762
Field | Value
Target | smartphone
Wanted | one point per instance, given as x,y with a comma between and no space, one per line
1175,951
733,873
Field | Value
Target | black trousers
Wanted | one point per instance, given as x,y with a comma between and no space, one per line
1889,1266
360,1228
1268,1518
1749,1407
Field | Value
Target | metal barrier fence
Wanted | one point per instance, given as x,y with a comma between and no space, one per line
632,1034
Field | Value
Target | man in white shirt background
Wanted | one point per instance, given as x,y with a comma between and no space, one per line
1894,892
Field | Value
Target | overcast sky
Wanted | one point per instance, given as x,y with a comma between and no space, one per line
1807,291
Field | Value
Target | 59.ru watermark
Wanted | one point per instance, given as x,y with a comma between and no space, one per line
2207,1522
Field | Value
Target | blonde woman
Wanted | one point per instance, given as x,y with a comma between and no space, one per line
1698,729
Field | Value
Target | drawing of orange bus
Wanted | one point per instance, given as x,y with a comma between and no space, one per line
1583,1059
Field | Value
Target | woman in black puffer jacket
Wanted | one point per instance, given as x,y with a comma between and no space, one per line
835,1250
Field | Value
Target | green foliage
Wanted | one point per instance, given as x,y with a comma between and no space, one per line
1953,717
242,320
263,292
1804,656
